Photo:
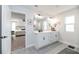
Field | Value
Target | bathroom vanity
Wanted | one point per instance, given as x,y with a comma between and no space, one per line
45,30
44,38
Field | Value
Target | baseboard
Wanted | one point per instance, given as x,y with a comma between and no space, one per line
76,47
69,44
31,45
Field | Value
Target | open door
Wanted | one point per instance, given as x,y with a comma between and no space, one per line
0,29
6,30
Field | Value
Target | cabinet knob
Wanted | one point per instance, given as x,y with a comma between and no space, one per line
56,35
43,38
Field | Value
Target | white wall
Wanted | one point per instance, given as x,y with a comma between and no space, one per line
70,38
19,22
18,18
28,26
66,37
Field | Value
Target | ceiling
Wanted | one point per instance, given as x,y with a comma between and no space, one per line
45,10
51,10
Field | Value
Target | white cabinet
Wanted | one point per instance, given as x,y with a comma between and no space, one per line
53,36
44,38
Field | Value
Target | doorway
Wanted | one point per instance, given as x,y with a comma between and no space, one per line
17,31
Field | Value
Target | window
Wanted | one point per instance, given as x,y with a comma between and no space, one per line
13,26
69,23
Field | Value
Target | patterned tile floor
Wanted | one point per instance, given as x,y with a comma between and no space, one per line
53,48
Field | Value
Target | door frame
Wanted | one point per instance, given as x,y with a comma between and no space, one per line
21,12
15,11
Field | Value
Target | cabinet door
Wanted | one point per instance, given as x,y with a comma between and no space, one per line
47,36
42,40
53,37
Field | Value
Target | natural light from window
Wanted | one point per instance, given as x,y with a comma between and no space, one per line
13,26
69,23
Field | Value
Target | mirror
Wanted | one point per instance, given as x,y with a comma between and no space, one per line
42,23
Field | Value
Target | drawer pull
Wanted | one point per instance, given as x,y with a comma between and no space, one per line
55,35
43,38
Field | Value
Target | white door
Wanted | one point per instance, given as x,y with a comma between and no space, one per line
6,30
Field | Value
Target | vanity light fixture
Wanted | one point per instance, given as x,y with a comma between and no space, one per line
38,16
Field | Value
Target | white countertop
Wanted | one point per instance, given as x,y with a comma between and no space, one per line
19,30
44,31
